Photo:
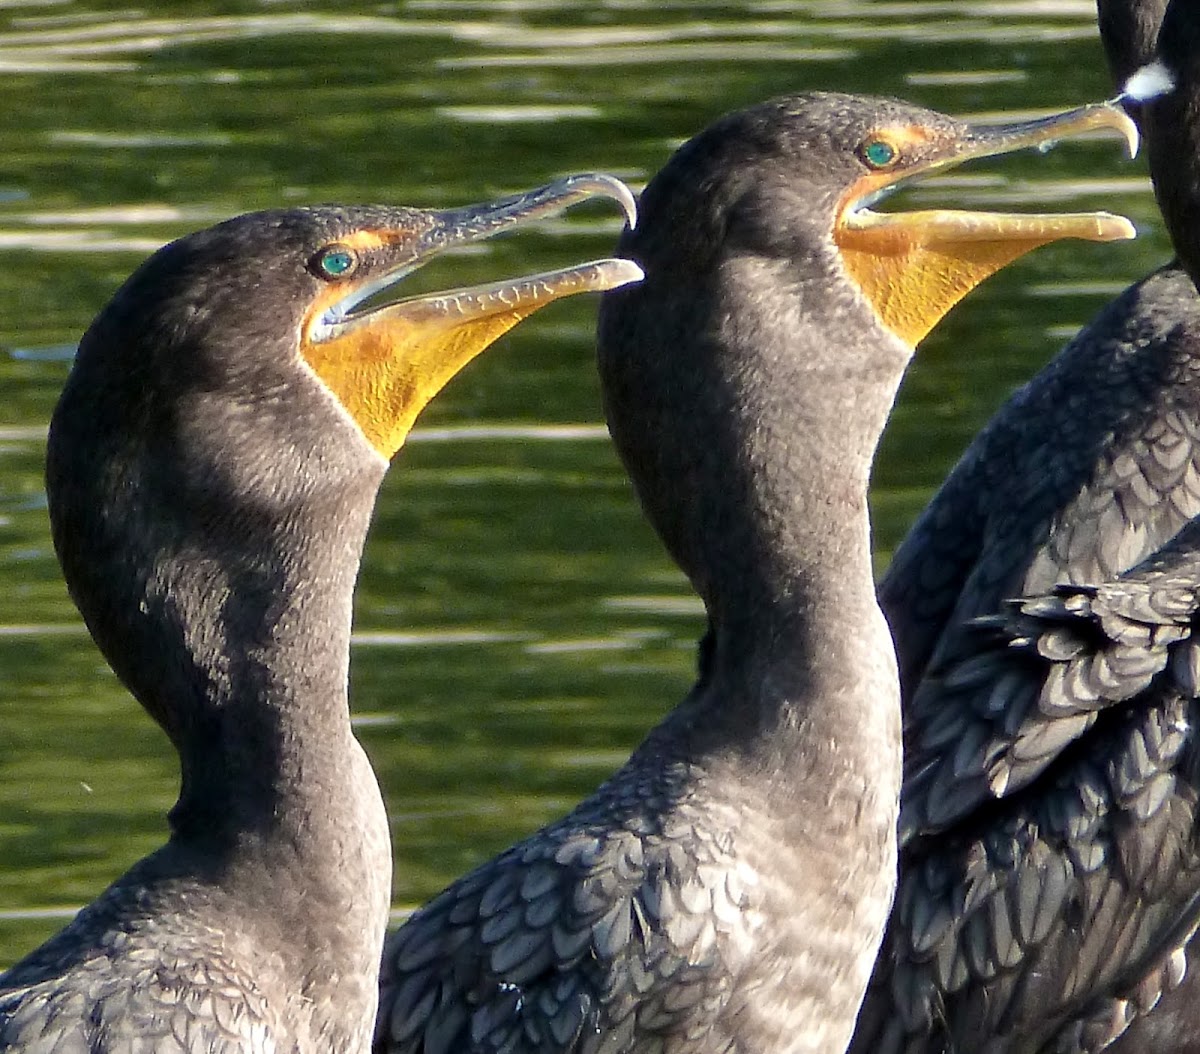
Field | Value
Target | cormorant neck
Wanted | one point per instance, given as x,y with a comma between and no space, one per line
1172,125
793,547
212,547
234,634
751,451
262,721
219,585
1128,31
748,426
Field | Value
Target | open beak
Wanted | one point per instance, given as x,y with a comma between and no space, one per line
914,266
386,359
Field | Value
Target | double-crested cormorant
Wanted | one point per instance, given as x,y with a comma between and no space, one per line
1050,870
727,888
211,471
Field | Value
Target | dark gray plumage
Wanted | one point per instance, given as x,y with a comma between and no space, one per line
1050,874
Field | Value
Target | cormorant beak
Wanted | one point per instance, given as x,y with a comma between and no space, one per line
386,359
914,266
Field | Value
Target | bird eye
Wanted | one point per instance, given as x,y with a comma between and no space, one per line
878,153
336,261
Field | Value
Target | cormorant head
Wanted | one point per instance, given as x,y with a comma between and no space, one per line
230,414
238,309
794,178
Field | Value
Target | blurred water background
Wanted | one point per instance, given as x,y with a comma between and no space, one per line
518,626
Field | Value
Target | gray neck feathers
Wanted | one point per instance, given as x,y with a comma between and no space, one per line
212,548
747,408
746,402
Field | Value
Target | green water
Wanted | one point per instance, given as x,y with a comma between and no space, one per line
520,628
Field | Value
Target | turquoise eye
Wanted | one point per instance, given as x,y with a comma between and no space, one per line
335,262
878,153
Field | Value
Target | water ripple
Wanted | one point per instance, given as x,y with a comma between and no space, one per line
125,140
635,54
516,114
